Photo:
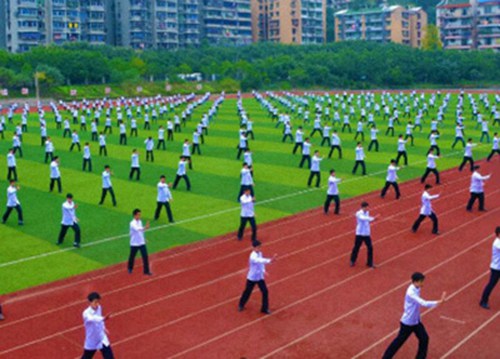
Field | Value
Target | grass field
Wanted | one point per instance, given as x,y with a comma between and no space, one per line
30,257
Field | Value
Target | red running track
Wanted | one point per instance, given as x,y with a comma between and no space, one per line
322,308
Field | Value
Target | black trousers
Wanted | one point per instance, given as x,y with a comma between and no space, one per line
85,162
177,127
133,131
358,241
170,135
243,223
77,144
457,140
404,333
297,145
494,277
240,151
186,179
248,291
329,199
18,149
159,205
123,139
326,140
59,185
472,199
335,147
49,156
404,155
373,143
144,255
490,156
360,133
19,214
391,130
12,173
359,163
103,149
485,135
149,154
137,171
94,136
305,158
111,192
161,143
314,131
195,148
313,174
66,132
386,187
464,161
420,218
346,125
409,137
429,170
287,136
64,230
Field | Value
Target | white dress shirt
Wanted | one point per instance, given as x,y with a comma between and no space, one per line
477,182
150,144
431,160
12,200
392,173
496,141
298,136
495,255
164,194
363,220
247,156
257,266
247,205
468,149
401,145
332,186
181,169
306,149
54,170
426,208
68,214
246,177
11,160
373,134
136,233
102,140
95,329
106,179
413,302
185,150
135,160
315,163
360,154
335,140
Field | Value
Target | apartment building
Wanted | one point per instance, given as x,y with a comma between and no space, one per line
384,24
21,23
289,21
488,25
226,22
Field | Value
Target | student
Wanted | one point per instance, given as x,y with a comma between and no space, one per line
93,130
410,321
359,131
298,140
484,131
246,179
170,130
69,220
332,193
391,179
242,145
67,129
196,143
495,271
102,145
315,170
86,157
161,138
163,199
431,167
123,133
135,166
133,127
186,153
326,135
256,276
95,330
181,173
495,148
346,124
306,153
107,186
363,220
13,203
75,141
426,211
360,159
373,139
138,242
247,158
335,145
402,150
468,155
459,135
11,165
43,134
287,132
247,215
16,145
390,127
55,174
477,189
433,141
49,149
409,132
150,145
316,126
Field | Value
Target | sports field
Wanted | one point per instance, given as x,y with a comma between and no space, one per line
30,257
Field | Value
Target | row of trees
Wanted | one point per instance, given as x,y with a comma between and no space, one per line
258,66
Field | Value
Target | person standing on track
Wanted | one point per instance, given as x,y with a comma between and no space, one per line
426,211
410,321
95,330
332,193
477,189
431,166
138,242
468,155
495,271
495,148
256,274
391,179
247,214
363,233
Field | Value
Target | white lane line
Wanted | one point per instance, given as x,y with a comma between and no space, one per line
452,319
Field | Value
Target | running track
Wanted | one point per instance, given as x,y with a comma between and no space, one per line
322,308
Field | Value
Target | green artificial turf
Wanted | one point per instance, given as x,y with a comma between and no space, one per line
210,209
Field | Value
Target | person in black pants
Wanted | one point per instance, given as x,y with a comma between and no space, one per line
332,194
95,330
363,220
391,180
2,317
426,211
410,321
138,242
69,220
163,199
495,271
255,276
477,189
13,203
247,215
495,148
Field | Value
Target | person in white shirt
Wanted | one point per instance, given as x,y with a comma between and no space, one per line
316,126
242,145
315,169
391,179
13,203
359,131
306,153
133,127
67,129
373,139
107,186
135,167
484,131
69,219
431,167
75,141
93,131
332,193
87,160
55,175
495,148
49,149
95,329
287,132
468,155
256,276
247,215
11,165
161,138
138,242
335,145
459,135
410,321
326,135
390,127
433,141
363,235
409,132
123,133
402,150
360,159
150,145
163,199
495,271
477,189
16,144
170,130
426,211
182,173
246,180
186,153
196,143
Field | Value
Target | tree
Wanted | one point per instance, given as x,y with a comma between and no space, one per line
431,40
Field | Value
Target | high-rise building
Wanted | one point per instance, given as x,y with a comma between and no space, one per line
488,24
166,26
22,25
95,21
226,22
189,22
62,21
383,24
289,21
